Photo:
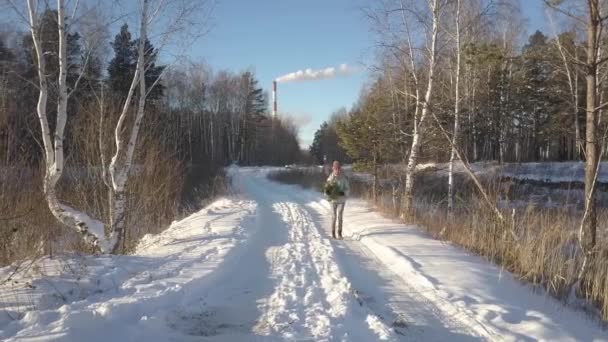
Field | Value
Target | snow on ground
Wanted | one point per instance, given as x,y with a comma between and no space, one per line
466,287
259,266
123,298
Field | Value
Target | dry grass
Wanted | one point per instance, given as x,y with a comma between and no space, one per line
536,244
156,198
161,189
23,207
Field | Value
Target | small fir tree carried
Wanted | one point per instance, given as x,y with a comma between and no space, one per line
332,190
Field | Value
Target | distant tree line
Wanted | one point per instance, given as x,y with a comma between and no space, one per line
516,108
200,116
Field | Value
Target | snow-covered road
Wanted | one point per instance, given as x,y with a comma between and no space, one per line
259,266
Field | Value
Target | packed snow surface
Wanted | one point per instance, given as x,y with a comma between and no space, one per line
259,266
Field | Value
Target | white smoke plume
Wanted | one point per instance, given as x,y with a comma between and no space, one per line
313,75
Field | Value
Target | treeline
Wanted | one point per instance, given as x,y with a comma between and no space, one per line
515,107
452,80
88,144
223,118
200,117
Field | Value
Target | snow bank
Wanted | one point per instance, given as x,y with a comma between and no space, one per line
121,298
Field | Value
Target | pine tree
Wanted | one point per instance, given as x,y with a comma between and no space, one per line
316,148
325,146
367,138
122,67
255,107
153,71
489,117
538,88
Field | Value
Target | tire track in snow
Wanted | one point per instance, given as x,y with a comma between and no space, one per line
428,305
313,299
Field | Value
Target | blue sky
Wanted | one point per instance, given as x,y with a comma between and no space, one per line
275,37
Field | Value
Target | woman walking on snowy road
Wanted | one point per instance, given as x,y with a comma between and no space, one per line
337,190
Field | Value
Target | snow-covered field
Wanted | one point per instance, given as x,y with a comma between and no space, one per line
548,172
259,266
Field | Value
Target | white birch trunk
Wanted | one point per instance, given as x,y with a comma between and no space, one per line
577,125
418,128
92,230
456,117
588,227
573,86
119,169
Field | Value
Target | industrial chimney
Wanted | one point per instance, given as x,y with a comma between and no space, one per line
274,99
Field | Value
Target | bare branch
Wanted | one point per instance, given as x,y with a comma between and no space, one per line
75,10
82,73
564,12
156,11
468,169
22,16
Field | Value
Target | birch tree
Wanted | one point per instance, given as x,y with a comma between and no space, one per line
456,113
572,74
592,16
588,231
434,7
397,23
469,17
119,169
92,230
173,19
